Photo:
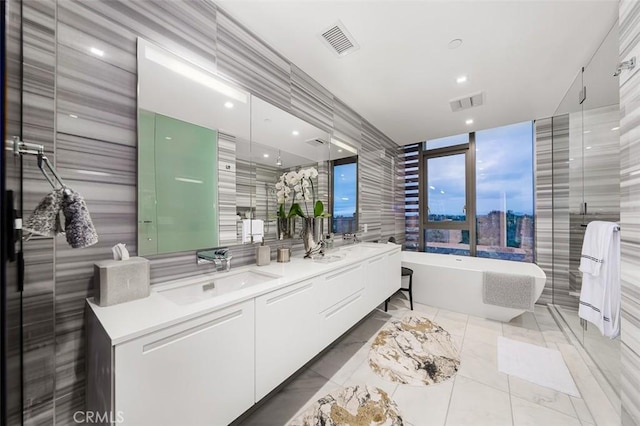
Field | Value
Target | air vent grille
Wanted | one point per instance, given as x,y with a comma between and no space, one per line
466,102
316,142
339,40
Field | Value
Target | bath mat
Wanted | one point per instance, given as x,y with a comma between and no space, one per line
414,351
353,406
536,364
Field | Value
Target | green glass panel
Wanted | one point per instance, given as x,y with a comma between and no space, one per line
147,231
186,161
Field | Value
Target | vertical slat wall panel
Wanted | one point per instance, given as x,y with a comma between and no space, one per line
96,154
630,212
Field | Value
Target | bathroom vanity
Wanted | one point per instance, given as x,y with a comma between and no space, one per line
204,350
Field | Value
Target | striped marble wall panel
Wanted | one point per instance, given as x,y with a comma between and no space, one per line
227,189
544,203
39,332
96,154
38,126
347,124
561,191
370,184
310,101
246,60
630,211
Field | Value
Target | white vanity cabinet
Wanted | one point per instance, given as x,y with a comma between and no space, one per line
286,333
153,362
197,372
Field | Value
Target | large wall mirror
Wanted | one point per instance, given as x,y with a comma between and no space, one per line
210,155
193,129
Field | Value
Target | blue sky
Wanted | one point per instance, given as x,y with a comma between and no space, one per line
344,196
504,173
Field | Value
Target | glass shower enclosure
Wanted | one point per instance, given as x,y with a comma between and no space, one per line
586,187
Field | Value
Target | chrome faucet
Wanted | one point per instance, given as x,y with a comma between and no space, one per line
220,257
353,238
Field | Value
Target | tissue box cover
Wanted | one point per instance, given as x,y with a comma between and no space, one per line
119,281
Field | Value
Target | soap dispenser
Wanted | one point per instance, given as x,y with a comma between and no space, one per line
263,254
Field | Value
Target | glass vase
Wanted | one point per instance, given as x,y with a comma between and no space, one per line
286,228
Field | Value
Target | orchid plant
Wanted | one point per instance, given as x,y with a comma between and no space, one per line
298,188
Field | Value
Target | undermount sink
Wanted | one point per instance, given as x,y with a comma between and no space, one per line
361,248
185,294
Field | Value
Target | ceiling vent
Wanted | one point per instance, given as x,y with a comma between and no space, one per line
467,102
316,142
339,40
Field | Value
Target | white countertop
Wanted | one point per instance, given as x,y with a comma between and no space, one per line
133,319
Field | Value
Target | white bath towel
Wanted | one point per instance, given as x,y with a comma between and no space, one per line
595,246
252,228
600,264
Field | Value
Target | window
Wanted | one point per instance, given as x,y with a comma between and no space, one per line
504,192
477,195
345,190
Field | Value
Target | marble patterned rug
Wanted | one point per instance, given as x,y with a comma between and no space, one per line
414,351
352,406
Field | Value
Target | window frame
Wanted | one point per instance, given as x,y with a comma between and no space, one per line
469,151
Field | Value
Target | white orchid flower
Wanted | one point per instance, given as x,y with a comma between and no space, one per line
313,173
297,188
306,183
279,185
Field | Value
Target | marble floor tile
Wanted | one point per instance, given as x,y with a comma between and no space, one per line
454,322
526,320
363,375
541,395
367,329
341,360
523,334
482,330
526,413
291,400
582,410
479,361
473,403
595,398
424,405
425,310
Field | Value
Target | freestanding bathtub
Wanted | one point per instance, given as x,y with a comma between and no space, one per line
455,282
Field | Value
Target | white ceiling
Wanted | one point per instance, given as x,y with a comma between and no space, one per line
524,55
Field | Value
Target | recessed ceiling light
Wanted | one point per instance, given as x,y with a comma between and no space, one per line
73,116
97,52
588,147
265,155
455,43
168,138
469,121
615,128
228,104
570,159
461,79
432,187
339,150
587,131
295,133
